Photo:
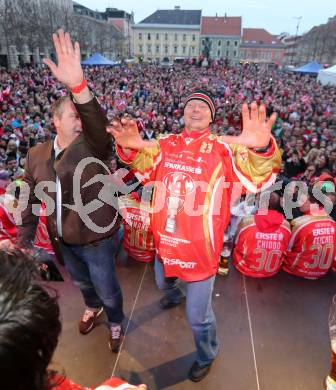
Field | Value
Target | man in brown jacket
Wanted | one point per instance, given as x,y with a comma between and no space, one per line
81,226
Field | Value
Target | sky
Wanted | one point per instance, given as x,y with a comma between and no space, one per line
276,16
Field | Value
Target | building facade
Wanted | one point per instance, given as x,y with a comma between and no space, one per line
168,35
318,44
124,22
221,37
96,33
26,28
291,42
261,47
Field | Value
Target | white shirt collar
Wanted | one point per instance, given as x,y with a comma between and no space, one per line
57,149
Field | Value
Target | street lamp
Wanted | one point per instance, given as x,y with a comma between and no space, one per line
298,18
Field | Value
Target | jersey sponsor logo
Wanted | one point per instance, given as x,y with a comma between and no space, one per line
198,160
323,231
269,236
136,217
180,263
179,183
184,168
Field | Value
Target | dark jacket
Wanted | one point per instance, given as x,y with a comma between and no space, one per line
41,165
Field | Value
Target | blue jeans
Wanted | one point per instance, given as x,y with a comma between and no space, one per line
200,315
92,269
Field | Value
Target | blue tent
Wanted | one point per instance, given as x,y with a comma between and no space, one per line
311,67
98,59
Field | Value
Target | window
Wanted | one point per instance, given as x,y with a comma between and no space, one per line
166,49
227,43
166,37
219,43
202,41
149,36
184,49
193,49
227,53
175,37
218,53
194,37
184,37
149,48
236,43
157,48
175,49
157,37
140,36
140,49
235,54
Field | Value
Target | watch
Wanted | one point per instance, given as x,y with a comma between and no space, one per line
265,149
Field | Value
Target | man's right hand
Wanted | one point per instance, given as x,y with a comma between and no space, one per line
126,134
68,70
7,245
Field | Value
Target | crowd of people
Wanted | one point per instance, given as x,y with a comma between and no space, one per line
155,96
305,127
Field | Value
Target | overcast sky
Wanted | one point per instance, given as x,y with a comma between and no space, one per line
276,16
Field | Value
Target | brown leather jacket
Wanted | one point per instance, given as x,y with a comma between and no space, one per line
41,165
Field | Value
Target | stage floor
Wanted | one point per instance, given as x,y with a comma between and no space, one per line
273,334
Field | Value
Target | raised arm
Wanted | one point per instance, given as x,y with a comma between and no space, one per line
69,72
142,156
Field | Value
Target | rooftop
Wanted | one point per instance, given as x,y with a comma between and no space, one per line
221,25
174,16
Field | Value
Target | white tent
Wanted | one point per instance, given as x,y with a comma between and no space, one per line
327,76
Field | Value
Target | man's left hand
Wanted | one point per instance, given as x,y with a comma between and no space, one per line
256,132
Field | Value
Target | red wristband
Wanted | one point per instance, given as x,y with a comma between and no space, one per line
79,88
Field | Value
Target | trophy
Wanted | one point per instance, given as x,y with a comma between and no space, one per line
174,204
178,186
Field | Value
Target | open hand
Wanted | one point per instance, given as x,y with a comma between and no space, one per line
68,70
126,134
256,128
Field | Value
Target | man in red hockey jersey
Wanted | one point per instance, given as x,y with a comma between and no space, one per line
261,241
312,247
193,173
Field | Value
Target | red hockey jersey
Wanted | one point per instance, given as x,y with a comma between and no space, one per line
194,176
8,230
138,236
42,239
260,244
311,250
113,383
